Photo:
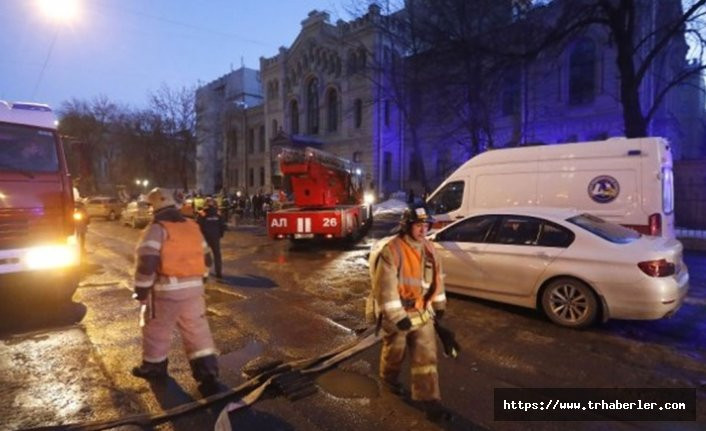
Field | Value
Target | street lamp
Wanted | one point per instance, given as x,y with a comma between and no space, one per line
142,182
59,10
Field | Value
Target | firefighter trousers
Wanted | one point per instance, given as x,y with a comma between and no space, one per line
215,245
421,341
189,316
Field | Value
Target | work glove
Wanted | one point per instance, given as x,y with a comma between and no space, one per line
404,324
141,293
448,341
439,314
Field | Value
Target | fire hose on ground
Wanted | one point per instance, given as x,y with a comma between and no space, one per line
292,379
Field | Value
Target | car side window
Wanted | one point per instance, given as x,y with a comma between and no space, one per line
474,229
554,235
518,230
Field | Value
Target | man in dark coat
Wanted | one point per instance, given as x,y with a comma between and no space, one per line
213,227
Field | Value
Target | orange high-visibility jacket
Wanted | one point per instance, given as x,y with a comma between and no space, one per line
182,251
411,273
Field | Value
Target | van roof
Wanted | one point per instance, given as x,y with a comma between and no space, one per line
27,113
612,147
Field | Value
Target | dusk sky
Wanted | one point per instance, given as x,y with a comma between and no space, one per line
125,49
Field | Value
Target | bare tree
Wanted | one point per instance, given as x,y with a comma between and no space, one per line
644,33
91,123
174,120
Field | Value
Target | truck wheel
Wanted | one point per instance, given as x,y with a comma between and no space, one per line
570,302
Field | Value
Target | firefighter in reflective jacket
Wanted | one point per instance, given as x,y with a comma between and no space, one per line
409,289
171,260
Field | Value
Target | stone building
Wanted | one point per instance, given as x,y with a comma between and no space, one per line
334,87
320,90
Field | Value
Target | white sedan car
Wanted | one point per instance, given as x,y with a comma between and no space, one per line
575,267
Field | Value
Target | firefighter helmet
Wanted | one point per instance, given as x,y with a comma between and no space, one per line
161,198
415,214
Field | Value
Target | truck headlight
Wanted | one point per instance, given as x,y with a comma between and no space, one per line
368,198
53,256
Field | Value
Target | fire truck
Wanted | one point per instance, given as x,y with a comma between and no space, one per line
328,198
39,252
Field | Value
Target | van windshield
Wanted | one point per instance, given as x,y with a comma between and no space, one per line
27,149
609,231
448,199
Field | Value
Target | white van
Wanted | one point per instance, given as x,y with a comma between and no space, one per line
626,181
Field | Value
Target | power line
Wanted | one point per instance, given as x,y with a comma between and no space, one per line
182,24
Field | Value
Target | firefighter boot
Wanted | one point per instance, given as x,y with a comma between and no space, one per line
436,412
205,371
151,370
394,387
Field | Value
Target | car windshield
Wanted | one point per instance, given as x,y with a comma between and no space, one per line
27,149
609,231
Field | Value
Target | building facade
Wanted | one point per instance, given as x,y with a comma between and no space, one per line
335,86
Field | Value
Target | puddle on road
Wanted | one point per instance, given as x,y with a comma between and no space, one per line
235,360
347,384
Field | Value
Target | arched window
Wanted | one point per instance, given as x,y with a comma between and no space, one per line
262,138
582,72
358,113
294,117
510,96
312,107
331,110
351,65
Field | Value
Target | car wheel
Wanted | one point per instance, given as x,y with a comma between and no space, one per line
570,302
111,216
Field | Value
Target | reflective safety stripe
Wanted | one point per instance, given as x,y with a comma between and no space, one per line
439,298
154,359
420,318
423,369
178,285
203,352
151,244
392,305
144,283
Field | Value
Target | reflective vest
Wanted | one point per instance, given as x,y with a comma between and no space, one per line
198,203
415,294
182,250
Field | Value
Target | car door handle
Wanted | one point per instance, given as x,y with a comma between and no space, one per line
459,217
543,255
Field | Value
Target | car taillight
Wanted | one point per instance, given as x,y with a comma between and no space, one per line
655,223
657,268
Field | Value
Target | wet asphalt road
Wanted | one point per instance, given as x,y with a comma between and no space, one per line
288,303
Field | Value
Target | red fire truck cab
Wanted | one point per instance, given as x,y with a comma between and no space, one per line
328,198
39,255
